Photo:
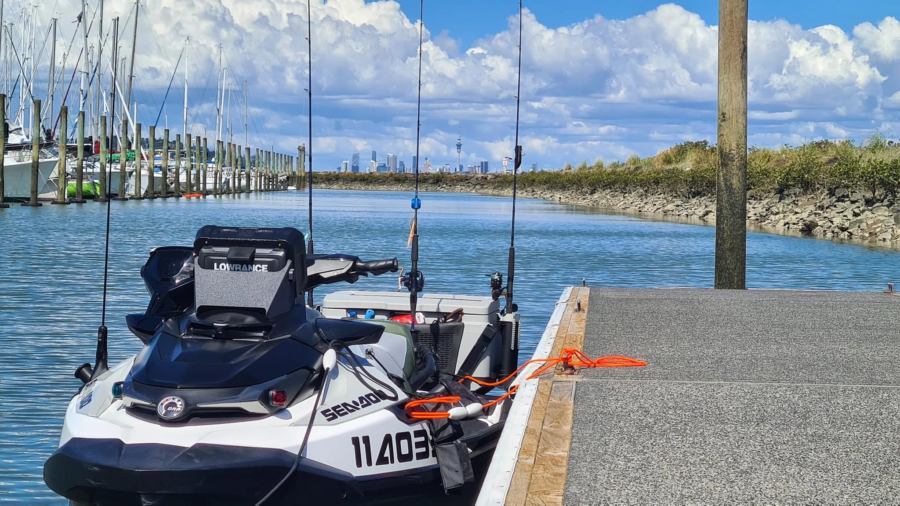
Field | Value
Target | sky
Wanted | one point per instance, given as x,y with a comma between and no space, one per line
600,79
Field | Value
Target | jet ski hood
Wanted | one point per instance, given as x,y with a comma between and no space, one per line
174,362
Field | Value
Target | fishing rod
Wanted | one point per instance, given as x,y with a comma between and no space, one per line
309,149
100,362
414,275
510,306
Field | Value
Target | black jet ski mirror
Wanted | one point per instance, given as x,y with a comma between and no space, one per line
143,326
348,332
329,269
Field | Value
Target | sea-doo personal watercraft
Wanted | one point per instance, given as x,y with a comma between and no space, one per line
241,386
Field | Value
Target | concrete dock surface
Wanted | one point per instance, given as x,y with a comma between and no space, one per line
748,397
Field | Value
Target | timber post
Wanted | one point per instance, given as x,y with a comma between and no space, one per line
35,155
103,194
138,163
2,151
731,177
151,164
62,188
79,163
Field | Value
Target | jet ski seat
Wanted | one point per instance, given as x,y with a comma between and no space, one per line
396,341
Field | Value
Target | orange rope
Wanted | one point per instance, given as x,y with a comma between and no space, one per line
569,356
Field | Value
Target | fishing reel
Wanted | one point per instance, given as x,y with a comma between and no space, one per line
406,280
497,288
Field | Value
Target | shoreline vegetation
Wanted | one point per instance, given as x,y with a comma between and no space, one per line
825,189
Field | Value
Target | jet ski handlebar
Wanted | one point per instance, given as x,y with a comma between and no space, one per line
377,267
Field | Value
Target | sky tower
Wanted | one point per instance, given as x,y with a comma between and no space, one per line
458,152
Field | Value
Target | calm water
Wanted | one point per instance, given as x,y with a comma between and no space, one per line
51,273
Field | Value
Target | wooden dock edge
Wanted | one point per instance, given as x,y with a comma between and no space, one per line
531,459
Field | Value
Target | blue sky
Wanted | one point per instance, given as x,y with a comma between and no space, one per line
601,79
469,20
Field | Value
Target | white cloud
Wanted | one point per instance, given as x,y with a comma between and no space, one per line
598,87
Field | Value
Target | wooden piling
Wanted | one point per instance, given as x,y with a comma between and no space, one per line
35,155
247,168
138,162
188,164
256,171
123,159
197,165
203,158
61,187
103,195
236,157
301,165
217,190
79,163
731,177
151,163
177,166
239,181
164,190
2,151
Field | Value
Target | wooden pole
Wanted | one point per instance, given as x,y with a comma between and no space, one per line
164,189
203,154
197,165
218,188
35,155
62,188
2,143
301,165
151,163
188,164
138,162
239,163
256,171
103,195
731,177
247,167
79,162
123,157
177,166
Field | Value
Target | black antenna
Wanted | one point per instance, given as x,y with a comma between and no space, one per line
100,363
416,203
309,149
510,307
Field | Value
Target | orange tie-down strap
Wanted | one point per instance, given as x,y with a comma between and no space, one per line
570,357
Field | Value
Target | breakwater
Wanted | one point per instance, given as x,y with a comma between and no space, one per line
842,214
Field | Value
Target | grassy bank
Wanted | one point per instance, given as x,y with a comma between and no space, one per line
689,170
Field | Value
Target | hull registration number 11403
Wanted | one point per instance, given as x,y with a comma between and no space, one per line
394,448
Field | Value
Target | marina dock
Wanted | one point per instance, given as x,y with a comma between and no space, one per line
747,397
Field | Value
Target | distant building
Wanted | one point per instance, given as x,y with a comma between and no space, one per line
374,156
427,166
484,167
381,167
345,166
373,165
354,163
391,163
415,164
402,167
474,169
534,167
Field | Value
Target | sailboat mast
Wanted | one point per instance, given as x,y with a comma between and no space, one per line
85,62
99,75
51,83
187,62
137,10
218,97
246,115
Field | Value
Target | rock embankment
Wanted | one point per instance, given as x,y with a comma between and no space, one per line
845,215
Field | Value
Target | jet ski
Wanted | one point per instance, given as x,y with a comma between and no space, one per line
243,394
